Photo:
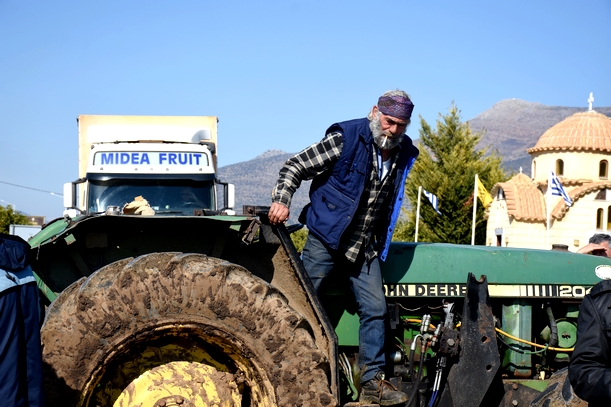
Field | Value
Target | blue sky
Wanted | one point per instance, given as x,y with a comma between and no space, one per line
276,73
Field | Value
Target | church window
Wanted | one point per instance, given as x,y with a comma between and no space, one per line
534,168
559,168
603,168
599,219
609,218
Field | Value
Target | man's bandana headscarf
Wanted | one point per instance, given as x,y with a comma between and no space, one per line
396,106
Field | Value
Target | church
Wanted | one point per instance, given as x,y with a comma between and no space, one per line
524,214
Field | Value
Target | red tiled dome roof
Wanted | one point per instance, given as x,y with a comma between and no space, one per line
584,131
525,201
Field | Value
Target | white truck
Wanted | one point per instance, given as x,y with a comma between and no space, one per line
170,161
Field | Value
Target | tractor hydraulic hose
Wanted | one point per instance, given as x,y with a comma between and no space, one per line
532,343
426,321
553,341
422,357
412,320
417,321
437,382
412,353
515,338
524,352
433,398
416,385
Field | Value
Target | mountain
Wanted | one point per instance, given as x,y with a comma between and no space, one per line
511,126
255,179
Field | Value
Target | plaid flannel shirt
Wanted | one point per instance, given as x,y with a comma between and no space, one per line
321,157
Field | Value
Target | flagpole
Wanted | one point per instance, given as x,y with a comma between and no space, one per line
548,195
474,211
418,213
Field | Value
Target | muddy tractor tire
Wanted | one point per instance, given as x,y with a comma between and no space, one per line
169,329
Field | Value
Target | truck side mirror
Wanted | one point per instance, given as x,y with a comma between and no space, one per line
70,206
69,195
228,197
229,192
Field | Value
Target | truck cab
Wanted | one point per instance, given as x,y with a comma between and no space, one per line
169,161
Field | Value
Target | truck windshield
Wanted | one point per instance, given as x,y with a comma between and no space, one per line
166,197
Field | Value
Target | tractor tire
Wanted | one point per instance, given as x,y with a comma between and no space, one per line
179,329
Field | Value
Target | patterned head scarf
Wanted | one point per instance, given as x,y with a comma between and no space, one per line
396,106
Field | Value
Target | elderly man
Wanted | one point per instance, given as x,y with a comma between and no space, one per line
358,171
598,245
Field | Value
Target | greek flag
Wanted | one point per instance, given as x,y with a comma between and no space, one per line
556,189
432,199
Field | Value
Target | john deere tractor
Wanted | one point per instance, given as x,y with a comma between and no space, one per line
216,310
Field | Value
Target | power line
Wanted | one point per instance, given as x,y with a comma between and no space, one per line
33,189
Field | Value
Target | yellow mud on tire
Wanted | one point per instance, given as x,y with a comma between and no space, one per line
186,384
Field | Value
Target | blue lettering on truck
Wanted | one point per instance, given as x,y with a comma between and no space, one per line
180,158
145,158
124,158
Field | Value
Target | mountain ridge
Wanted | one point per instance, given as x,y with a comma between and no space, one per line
510,127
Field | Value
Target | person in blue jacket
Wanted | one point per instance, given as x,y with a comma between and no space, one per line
21,382
358,173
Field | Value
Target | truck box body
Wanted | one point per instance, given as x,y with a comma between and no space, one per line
148,130
155,157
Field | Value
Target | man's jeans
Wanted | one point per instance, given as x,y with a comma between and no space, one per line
366,284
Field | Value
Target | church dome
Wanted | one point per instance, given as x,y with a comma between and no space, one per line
584,131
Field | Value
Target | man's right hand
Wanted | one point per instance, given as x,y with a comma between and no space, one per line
278,213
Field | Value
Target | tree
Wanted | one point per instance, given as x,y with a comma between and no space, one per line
8,216
299,238
446,167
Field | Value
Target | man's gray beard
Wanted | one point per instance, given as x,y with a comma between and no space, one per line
379,136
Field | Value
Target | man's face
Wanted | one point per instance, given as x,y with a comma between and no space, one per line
387,131
606,252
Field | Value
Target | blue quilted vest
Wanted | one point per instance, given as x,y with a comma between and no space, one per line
335,194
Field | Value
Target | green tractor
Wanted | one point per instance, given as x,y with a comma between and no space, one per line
218,311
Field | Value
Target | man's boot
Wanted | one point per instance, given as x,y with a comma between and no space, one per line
379,391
